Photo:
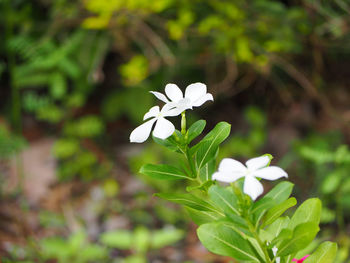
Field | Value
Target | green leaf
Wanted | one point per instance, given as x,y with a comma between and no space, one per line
309,211
325,253
206,152
285,234
274,229
195,130
93,253
207,171
121,239
223,240
276,211
203,217
208,147
58,86
260,207
169,143
203,186
188,200
225,199
163,172
280,192
165,237
141,239
303,235
276,196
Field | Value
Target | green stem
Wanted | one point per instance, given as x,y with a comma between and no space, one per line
183,123
252,229
261,244
15,95
190,162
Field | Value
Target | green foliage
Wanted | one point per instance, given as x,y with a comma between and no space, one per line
227,25
51,66
140,241
85,127
76,249
122,103
330,161
10,144
230,223
163,171
247,144
224,239
55,65
326,252
135,71
77,160
207,149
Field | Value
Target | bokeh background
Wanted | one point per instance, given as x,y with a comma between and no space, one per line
75,78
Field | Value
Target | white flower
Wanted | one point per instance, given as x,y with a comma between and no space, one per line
274,251
231,170
163,128
195,95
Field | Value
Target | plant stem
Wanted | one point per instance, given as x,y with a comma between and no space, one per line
190,162
183,122
15,95
261,244
252,229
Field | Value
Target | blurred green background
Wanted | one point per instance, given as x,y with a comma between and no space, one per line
75,78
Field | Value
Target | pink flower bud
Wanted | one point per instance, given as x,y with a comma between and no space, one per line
300,260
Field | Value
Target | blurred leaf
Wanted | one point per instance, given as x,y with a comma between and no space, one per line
65,148
135,71
85,127
121,239
164,237
141,239
111,187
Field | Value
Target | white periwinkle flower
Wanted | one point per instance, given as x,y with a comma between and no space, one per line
274,251
231,170
163,128
195,95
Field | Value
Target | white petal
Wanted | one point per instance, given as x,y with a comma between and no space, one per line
274,250
163,129
195,90
227,177
170,110
233,166
173,92
153,112
270,173
252,187
258,162
180,106
141,133
202,99
160,96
